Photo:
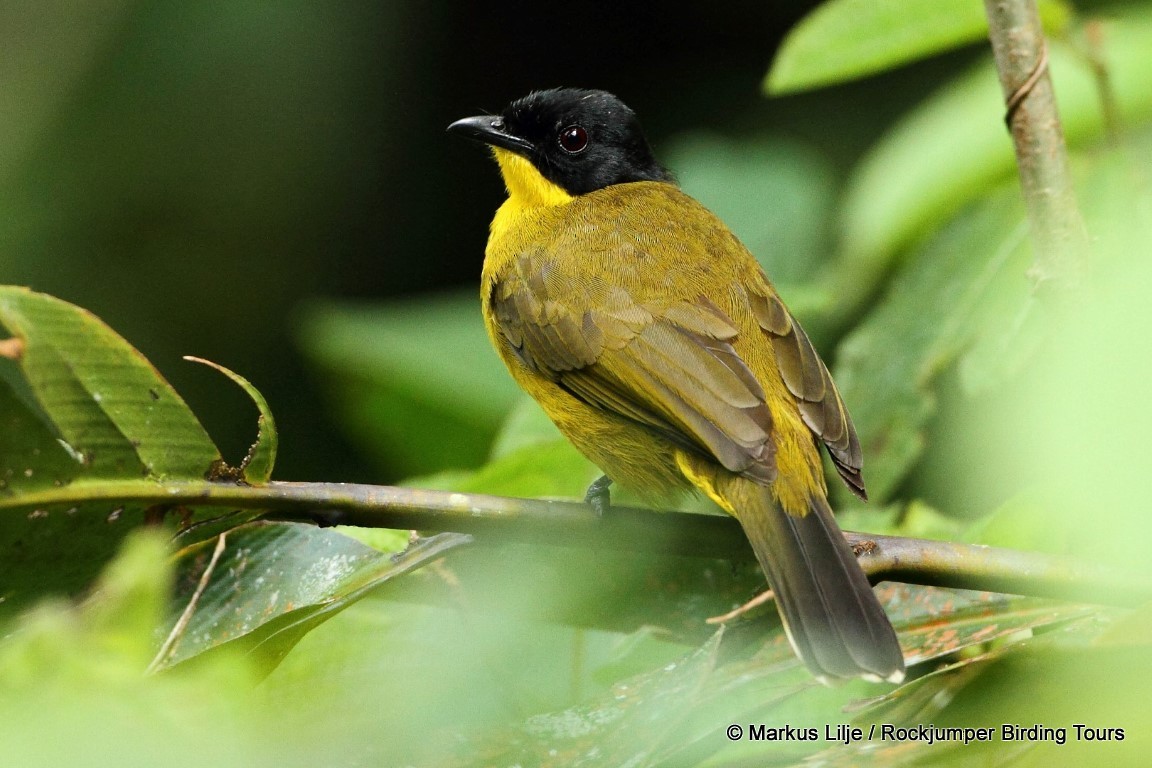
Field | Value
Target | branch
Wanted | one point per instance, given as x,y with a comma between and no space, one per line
996,569
1058,233
571,524
561,523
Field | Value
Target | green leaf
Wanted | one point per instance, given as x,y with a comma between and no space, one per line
544,470
531,459
79,669
954,147
1052,682
937,305
776,194
113,411
411,378
845,40
933,623
644,721
674,713
261,587
1079,427
921,521
746,673
54,641
1024,522
261,458
71,499
849,39
32,457
526,425
963,298
80,408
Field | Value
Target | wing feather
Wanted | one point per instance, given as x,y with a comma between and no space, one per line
807,378
671,368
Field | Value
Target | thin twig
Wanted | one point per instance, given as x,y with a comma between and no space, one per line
764,597
1058,234
169,646
1092,49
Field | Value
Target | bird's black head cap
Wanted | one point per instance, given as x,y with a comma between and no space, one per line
580,140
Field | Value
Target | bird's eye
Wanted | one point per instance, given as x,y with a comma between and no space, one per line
573,139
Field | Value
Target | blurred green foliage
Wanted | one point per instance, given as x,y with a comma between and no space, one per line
80,405
394,374
246,144
849,39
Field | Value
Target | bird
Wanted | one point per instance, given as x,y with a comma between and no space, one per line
652,338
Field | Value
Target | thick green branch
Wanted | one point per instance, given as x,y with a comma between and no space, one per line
1058,232
494,518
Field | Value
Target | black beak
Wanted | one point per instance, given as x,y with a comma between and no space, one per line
490,130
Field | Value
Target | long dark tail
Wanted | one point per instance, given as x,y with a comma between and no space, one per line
830,612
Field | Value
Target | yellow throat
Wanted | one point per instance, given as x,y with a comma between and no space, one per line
527,187
528,193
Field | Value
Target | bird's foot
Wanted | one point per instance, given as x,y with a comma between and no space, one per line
598,496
